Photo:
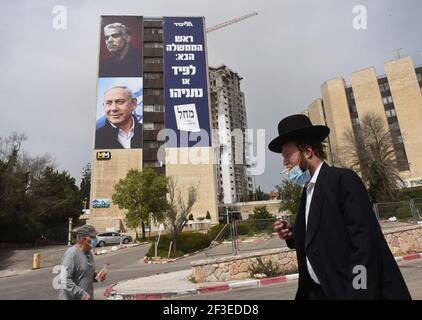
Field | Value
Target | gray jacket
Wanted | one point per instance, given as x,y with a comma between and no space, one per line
80,274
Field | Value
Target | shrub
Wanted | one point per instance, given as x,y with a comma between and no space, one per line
267,268
261,212
187,242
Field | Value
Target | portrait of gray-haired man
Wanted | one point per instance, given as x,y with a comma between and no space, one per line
121,129
125,60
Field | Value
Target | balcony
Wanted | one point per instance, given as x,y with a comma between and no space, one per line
150,99
150,154
153,83
153,67
153,52
153,38
154,117
150,135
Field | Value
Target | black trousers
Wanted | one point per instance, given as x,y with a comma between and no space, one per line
317,293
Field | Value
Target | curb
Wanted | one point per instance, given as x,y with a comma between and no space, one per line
410,257
222,287
108,290
147,261
109,294
119,249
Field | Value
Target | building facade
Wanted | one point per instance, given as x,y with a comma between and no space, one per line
229,121
113,164
395,97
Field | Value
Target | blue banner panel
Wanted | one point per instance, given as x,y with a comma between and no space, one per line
186,83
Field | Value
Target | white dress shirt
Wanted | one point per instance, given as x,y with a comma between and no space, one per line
309,192
125,138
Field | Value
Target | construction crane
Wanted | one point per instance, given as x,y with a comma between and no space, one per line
230,22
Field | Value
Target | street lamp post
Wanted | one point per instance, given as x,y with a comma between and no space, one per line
69,235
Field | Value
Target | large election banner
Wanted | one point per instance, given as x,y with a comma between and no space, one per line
186,82
120,88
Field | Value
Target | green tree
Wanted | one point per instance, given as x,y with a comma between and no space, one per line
55,198
179,208
35,199
143,195
290,194
260,195
17,223
261,212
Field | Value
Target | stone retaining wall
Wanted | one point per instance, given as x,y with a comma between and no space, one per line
401,241
237,267
404,240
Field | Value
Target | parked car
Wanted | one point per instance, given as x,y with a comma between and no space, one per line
112,238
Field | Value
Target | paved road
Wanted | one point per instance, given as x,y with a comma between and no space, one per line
412,272
128,264
124,265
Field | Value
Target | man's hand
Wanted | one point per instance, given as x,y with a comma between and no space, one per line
101,276
283,229
87,297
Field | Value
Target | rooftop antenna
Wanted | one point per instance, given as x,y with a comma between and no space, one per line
397,51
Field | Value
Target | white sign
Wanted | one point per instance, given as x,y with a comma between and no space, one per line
187,118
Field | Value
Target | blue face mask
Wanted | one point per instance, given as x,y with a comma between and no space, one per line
297,176
94,243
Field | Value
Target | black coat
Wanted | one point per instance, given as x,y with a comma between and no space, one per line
106,137
343,232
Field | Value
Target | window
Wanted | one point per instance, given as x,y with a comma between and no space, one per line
355,121
154,108
400,139
419,76
350,95
159,126
353,108
151,164
387,100
153,92
153,76
159,108
384,86
153,60
151,144
148,108
394,126
153,31
390,113
148,126
153,45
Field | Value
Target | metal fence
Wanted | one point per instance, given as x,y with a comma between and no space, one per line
242,236
409,211
239,236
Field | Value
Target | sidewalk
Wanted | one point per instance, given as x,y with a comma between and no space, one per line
176,284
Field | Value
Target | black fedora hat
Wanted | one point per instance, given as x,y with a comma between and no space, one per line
297,127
